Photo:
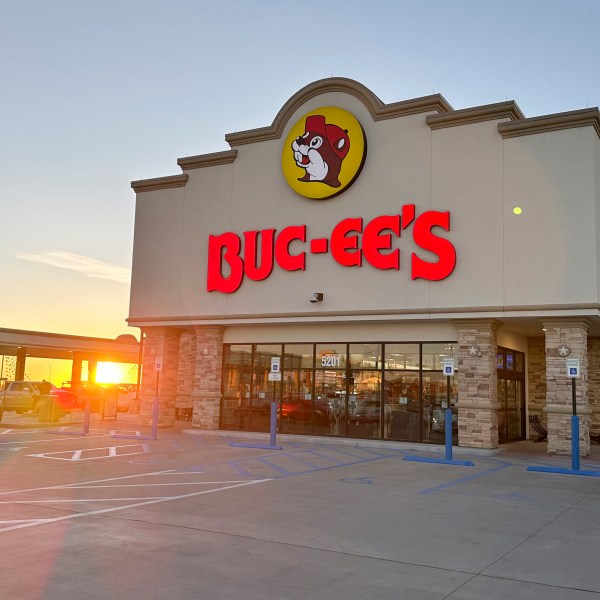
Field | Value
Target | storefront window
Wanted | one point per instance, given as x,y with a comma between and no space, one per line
402,406
298,356
263,391
434,355
402,357
331,356
297,406
364,404
435,402
331,402
237,379
365,356
361,390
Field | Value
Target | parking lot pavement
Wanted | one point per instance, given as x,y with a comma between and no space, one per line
189,516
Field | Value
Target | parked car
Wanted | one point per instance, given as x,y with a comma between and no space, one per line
23,396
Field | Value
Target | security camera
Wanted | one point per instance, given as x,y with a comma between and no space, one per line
316,297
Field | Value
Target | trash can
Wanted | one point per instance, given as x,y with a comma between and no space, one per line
47,410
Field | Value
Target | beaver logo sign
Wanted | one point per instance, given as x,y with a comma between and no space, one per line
324,153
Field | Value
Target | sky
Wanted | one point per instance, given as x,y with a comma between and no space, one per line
94,95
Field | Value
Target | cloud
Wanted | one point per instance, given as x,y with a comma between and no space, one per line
90,267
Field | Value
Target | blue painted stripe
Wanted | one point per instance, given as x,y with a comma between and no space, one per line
301,460
449,484
272,465
326,457
441,461
318,469
260,446
563,471
344,452
234,465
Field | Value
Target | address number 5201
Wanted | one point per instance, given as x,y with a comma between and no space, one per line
331,360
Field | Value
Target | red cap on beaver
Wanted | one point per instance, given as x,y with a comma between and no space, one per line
336,136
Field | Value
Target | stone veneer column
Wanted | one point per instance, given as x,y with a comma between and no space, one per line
477,383
208,373
536,381
187,367
162,342
571,333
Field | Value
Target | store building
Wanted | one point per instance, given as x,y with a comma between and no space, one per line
363,243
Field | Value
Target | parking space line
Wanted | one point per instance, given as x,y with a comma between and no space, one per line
43,501
128,506
77,454
76,485
63,439
24,521
170,484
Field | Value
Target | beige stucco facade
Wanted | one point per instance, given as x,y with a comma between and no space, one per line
515,273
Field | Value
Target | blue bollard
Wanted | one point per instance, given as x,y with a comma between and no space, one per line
155,418
448,432
272,438
575,443
273,429
87,414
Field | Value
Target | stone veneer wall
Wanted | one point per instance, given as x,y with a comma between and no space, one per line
536,381
160,342
208,374
477,383
573,334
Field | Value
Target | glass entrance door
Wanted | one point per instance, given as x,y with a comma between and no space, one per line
511,395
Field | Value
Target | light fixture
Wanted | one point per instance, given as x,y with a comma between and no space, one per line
517,210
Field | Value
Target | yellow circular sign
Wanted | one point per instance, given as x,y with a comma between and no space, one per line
324,153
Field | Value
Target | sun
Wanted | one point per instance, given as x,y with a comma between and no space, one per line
108,372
